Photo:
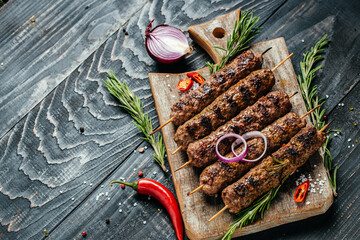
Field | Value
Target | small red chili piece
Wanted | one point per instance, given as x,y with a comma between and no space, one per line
164,196
185,84
123,186
84,234
284,145
196,77
140,174
301,191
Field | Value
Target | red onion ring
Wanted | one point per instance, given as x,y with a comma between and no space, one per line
247,136
238,157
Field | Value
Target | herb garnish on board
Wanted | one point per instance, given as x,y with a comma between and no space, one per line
244,31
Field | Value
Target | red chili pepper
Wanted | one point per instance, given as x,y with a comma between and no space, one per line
196,77
301,191
185,84
164,196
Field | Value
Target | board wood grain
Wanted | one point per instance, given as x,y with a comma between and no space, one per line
197,208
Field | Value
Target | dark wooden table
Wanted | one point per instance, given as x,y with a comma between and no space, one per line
54,176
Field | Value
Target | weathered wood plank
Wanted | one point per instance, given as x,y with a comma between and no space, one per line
37,56
45,153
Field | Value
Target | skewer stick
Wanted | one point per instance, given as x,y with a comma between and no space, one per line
184,165
196,189
178,149
261,54
293,94
310,111
218,213
323,129
280,63
168,121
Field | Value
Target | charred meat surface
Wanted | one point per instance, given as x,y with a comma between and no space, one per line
269,173
196,100
220,174
255,117
225,107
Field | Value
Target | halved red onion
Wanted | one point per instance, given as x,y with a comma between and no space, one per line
238,157
166,44
248,135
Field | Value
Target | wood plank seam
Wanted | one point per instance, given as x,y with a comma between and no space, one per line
277,9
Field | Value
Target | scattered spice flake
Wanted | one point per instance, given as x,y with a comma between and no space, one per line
82,129
140,174
141,150
107,220
356,141
84,234
46,233
32,20
122,186
355,124
351,108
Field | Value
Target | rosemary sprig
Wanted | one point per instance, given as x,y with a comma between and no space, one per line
131,103
247,215
244,31
309,93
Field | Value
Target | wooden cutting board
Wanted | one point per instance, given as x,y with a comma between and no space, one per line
198,208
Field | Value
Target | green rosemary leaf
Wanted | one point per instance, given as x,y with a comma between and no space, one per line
132,104
309,92
244,31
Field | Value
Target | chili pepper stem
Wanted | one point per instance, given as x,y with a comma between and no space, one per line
133,185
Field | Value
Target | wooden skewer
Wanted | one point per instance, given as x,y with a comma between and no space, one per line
323,129
178,149
310,111
218,213
184,165
280,63
196,189
160,127
293,94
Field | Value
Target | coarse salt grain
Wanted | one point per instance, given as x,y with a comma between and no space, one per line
107,194
327,96
84,182
97,197
144,222
90,184
108,199
120,210
119,203
102,186
167,75
135,204
349,140
302,40
145,147
307,203
61,191
72,199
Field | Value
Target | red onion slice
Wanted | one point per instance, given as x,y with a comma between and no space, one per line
248,135
238,157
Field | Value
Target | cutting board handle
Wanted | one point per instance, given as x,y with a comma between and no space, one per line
214,33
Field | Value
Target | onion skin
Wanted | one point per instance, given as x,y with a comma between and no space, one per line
164,59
